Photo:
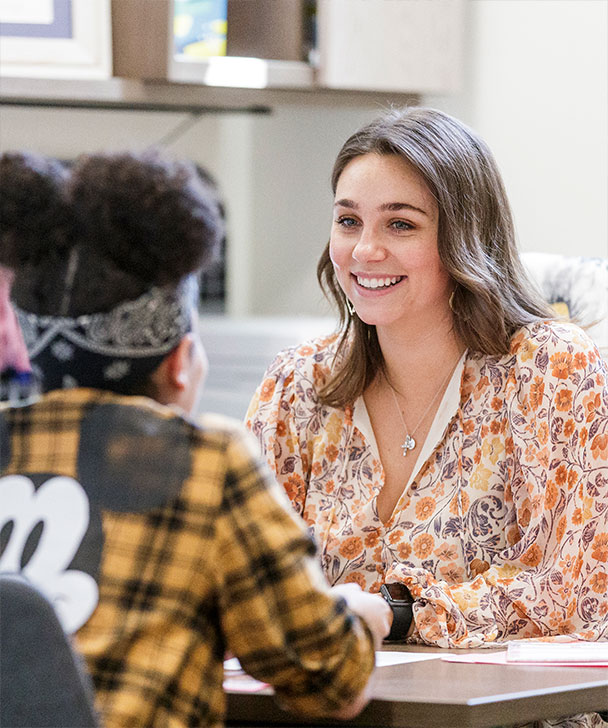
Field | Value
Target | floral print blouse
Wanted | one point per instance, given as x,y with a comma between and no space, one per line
502,533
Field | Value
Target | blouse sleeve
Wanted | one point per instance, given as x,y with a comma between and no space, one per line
272,418
553,576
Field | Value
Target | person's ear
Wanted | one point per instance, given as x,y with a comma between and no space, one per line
179,364
170,378
178,379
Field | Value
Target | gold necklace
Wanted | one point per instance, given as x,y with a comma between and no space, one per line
409,443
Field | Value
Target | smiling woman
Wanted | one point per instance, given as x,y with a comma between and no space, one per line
445,429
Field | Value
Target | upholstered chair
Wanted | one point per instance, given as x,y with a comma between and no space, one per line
577,287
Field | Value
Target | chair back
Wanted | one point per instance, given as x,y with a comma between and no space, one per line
43,683
577,287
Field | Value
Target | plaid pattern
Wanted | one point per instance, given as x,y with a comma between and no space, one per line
211,561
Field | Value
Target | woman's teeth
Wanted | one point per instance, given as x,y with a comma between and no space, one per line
378,282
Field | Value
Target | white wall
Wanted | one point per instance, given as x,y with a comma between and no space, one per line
536,88
292,161
66,133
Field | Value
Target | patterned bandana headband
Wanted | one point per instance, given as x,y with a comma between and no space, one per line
114,350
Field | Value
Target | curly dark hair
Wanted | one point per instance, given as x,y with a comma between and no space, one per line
34,212
137,219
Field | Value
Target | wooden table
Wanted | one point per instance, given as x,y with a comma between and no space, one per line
440,694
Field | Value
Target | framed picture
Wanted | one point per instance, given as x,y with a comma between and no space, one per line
55,38
238,43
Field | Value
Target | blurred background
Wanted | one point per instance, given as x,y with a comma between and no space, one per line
262,93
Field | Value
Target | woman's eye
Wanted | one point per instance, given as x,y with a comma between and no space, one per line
346,222
402,225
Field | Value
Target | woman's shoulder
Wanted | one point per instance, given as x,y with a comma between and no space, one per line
558,352
549,338
305,359
293,379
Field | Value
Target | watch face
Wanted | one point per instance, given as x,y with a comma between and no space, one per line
398,593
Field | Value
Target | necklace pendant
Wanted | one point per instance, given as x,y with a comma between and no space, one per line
408,444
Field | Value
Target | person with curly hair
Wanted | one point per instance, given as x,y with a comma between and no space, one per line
447,446
162,541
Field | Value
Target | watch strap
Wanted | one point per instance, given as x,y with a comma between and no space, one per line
402,617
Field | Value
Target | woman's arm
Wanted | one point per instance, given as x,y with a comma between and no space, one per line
276,416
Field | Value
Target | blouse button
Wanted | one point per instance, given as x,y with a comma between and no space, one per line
413,486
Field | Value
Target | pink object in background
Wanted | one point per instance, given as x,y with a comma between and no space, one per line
13,353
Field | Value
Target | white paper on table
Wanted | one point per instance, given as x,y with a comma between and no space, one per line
237,681
574,651
243,684
500,658
232,664
384,659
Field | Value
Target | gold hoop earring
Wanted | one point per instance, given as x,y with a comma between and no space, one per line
451,301
350,307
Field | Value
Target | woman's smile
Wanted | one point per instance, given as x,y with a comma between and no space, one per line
377,282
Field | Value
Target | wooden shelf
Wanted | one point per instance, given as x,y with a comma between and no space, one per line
134,94
240,72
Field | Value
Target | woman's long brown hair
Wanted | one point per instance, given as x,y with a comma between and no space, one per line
493,296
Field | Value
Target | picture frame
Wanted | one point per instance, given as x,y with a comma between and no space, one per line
144,45
56,39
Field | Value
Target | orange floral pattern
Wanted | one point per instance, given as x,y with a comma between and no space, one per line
267,390
505,535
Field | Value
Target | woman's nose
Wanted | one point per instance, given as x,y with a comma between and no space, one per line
368,248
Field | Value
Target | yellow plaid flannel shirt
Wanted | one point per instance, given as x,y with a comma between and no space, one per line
200,553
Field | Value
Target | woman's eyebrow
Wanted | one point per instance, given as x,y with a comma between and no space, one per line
390,206
395,206
346,203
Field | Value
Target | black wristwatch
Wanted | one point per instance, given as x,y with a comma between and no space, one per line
400,601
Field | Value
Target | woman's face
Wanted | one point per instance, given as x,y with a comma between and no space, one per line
383,243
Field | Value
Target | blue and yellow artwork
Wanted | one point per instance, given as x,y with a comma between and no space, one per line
199,28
